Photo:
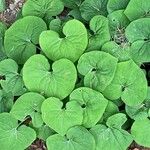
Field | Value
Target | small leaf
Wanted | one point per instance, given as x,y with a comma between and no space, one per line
97,70
77,138
140,131
91,8
57,80
21,38
42,8
93,104
13,136
29,104
70,47
61,119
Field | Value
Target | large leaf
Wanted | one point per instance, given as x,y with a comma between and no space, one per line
29,104
129,84
60,118
93,104
21,38
42,8
114,5
112,137
140,131
77,138
70,47
97,70
91,8
57,80
100,29
14,136
12,79
138,34
137,9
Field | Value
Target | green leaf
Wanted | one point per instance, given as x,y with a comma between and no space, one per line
13,136
61,118
44,132
13,80
73,4
57,80
77,138
2,5
122,52
70,47
114,5
21,38
140,131
93,104
91,8
129,84
117,23
97,70
111,137
6,101
100,32
137,9
139,35
42,8
29,104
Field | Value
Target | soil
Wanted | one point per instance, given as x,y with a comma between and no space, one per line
9,16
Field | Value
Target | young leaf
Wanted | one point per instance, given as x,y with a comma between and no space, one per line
61,119
138,34
70,47
21,38
100,29
29,104
57,80
137,9
140,131
42,8
13,136
129,84
93,104
114,5
91,8
77,138
112,137
97,70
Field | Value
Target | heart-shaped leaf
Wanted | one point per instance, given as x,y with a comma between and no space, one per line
61,118
77,138
97,70
137,9
114,5
91,8
21,38
58,80
118,138
138,34
140,131
100,29
131,85
93,104
12,81
29,104
70,47
42,8
14,136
